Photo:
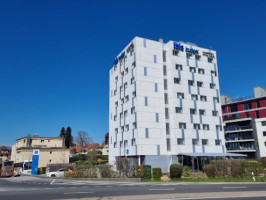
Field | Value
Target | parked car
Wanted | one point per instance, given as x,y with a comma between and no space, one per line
57,173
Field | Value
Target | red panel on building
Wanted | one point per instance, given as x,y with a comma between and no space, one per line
254,104
240,107
262,113
252,114
263,103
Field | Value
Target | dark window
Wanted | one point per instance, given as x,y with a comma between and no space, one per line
247,106
164,56
247,114
234,108
258,104
176,80
257,114
264,133
164,70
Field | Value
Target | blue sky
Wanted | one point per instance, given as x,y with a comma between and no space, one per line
55,56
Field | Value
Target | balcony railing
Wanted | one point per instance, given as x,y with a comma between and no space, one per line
236,128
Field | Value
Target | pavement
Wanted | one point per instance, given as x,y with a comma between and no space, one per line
36,188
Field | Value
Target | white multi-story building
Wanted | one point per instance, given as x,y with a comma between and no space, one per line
165,103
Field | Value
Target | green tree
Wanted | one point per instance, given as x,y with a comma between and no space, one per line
63,132
106,138
68,138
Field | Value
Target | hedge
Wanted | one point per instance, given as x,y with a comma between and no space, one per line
176,171
156,173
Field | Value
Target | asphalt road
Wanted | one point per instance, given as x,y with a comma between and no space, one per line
34,188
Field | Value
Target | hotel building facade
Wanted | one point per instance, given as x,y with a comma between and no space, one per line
165,103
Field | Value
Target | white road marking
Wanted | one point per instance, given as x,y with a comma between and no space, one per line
224,197
52,182
79,193
162,189
234,187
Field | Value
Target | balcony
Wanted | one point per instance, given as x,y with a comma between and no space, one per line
236,128
239,140
237,146
235,118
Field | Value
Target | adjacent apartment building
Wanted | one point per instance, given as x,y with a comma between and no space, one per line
165,103
5,153
51,150
245,124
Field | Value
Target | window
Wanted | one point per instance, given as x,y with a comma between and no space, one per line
175,52
213,73
154,59
125,85
192,69
247,106
263,123
132,80
115,117
121,143
116,104
168,144
126,98
190,82
194,97
133,110
155,87
178,109
193,111
125,143
206,127
202,112
178,67
167,127
133,142
216,99
180,141
166,113
42,141
177,80
146,101
195,141
201,71
218,127
199,84
212,86
116,78
157,117
165,84
121,88
116,130
146,132
210,60
197,57
204,142
115,92
234,108
218,142
215,113
164,70
125,113
203,98
134,125
164,56
165,98
134,94
264,133
115,145
196,126
126,70
182,125
258,104
122,128
115,67
265,144
257,114
180,95
145,71
127,127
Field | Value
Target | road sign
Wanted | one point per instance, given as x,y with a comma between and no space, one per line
127,151
35,162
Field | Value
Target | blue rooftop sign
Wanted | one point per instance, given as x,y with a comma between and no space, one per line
178,46
119,58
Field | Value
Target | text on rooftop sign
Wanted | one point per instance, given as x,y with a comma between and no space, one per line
178,46
119,58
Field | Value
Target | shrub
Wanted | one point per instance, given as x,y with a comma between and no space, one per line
71,174
263,161
106,171
209,170
88,172
146,172
176,171
43,170
156,173
140,171
237,168
255,167
73,159
186,171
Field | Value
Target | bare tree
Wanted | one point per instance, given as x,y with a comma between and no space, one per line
83,139
126,166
